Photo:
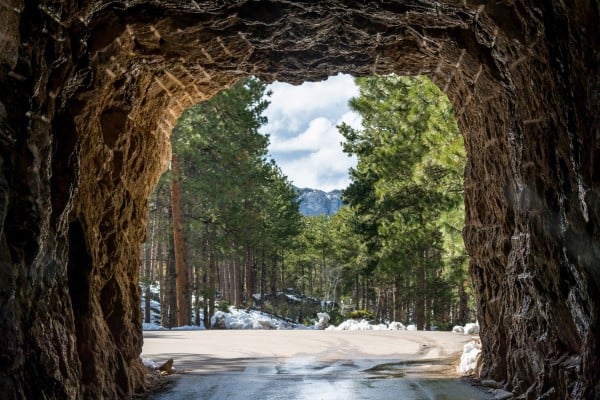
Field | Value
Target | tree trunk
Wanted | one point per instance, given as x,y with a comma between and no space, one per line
273,275
396,303
463,299
212,284
247,276
357,291
162,273
263,275
420,297
236,281
205,295
365,302
282,278
197,291
183,317
171,276
150,253
147,279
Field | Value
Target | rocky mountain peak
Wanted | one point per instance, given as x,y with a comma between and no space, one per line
318,202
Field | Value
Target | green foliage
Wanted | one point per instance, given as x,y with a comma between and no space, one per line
239,208
233,190
361,314
406,191
336,317
223,305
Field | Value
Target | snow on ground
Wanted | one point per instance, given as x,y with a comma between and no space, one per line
364,325
472,329
151,326
323,321
188,328
458,329
469,358
148,363
252,319
249,319
396,326
469,329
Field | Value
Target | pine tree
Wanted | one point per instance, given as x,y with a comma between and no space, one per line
406,184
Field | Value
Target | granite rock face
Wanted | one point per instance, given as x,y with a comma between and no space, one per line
313,202
90,91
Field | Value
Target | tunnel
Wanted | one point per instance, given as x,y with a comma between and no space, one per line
90,91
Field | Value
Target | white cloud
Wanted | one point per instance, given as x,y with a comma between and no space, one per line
293,106
324,169
305,141
320,133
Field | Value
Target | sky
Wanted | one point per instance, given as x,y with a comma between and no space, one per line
305,142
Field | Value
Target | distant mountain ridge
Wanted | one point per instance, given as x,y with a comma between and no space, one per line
317,202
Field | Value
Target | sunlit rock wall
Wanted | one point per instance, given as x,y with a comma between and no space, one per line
90,91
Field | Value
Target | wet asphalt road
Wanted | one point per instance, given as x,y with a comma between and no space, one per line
311,365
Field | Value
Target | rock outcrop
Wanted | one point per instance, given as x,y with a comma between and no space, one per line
313,202
89,93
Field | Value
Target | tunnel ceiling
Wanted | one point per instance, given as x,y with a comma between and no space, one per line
89,94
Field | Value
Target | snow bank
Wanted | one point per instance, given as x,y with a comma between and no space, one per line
353,325
411,327
396,326
469,358
364,325
469,329
323,322
472,328
458,329
242,319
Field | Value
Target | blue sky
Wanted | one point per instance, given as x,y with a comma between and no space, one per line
305,142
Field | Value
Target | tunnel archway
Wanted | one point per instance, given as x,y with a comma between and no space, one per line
90,91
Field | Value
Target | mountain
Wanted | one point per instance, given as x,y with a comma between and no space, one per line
317,202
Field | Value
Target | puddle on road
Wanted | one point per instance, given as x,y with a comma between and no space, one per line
431,368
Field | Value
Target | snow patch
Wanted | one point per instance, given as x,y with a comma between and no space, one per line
396,326
148,363
469,358
458,329
151,326
188,328
243,319
411,327
364,325
471,328
323,321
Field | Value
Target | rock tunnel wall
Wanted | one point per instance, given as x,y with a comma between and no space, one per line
90,91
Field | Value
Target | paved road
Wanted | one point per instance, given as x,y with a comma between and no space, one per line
312,364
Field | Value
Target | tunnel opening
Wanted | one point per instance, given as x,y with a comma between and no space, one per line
521,78
269,284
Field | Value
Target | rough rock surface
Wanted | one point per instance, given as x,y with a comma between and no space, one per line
90,90
313,202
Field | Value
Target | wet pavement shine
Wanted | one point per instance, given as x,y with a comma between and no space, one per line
312,365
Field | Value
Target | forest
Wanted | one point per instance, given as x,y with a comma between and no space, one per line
225,228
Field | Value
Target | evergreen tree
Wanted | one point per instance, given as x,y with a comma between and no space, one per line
408,181
232,209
